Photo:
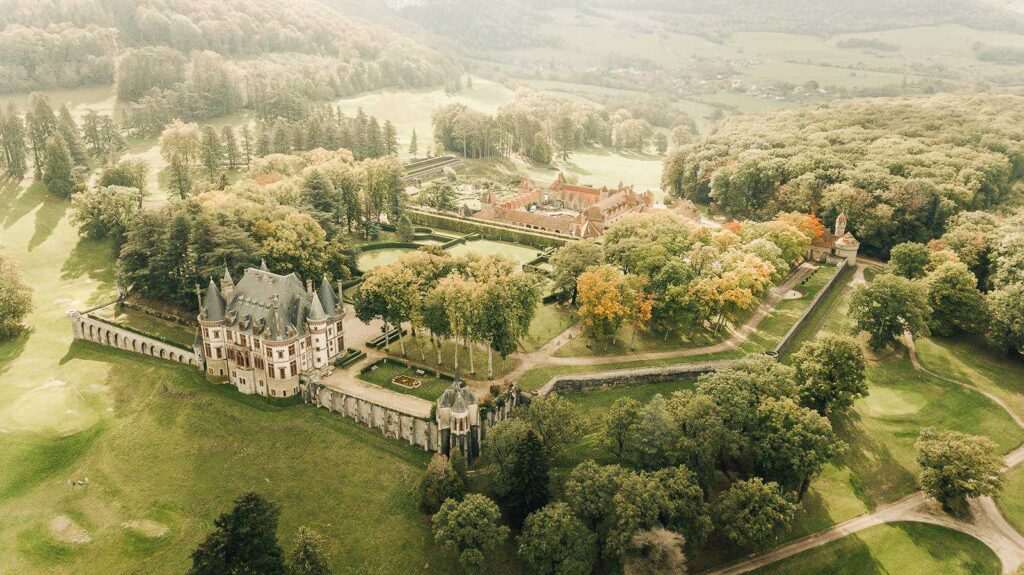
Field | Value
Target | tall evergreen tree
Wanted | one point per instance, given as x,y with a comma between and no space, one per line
390,139
69,131
181,177
247,145
528,478
244,541
211,151
231,152
413,144
57,174
91,132
374,139
12,132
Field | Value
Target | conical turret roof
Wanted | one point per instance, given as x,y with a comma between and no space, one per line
316,311
326,293
214,305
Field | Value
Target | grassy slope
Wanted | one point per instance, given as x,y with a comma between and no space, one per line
904,548
177,449
549,321
1010,502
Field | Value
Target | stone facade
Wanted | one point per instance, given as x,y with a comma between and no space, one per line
266,333
389,421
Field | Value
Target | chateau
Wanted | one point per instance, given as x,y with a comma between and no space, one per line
566,209
268,330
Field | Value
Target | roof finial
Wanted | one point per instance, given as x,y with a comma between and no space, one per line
263,265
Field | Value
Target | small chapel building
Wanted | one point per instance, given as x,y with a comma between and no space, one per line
838,246
266,333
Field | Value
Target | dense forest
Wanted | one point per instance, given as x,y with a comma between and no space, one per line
900,168
64,44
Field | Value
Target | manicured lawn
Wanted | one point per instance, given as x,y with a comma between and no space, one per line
177,450
970,360
430,389
421,352
625,344
535,378
594,404
519,254
549,321
831,314
1011,501
880,465
787,312
900,548
149,324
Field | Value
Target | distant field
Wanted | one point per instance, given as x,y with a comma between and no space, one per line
412,110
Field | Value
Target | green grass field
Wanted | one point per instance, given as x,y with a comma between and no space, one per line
971,361
159,443
139,321
549,321
430,389
1010,500
177,449
903,548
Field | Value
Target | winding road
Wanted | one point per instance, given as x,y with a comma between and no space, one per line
986,523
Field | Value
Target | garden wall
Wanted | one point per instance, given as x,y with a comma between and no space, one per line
488,230
607,379
392,423
784,343
91,328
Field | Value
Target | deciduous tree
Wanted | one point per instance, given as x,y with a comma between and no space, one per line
830,374
751,513
471,528
556,542
956,467
889,307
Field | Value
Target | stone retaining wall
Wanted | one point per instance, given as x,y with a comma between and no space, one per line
607,379
91,328
788,338
394,424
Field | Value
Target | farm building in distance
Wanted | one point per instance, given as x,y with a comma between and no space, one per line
563,208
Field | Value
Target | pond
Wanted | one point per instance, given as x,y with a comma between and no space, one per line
515,252
373,259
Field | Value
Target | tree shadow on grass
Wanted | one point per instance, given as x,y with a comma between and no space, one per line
95,259
12,348
50,213
934,540
876,476
17,202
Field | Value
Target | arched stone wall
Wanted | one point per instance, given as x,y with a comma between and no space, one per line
90,328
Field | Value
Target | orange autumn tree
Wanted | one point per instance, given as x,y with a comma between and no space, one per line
809,224
608,299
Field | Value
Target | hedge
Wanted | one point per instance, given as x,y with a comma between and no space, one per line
488,230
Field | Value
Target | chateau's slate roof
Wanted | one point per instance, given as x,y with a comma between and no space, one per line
214,304
266,302
327,298
316,312
457,397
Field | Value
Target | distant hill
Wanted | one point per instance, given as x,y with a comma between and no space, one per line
511,24
830,16
68,43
